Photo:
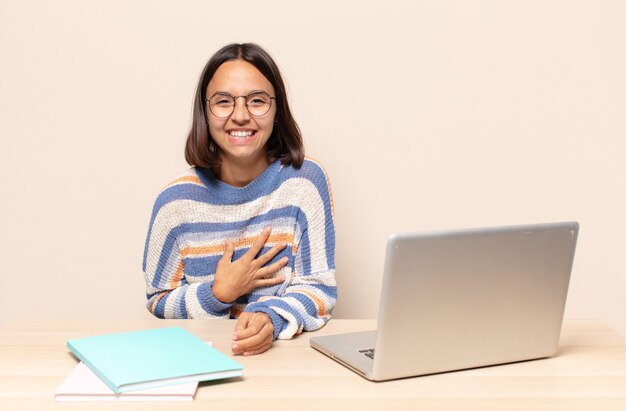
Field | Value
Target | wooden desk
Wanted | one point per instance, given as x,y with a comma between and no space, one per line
589,372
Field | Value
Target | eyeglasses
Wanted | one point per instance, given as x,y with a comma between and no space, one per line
222,105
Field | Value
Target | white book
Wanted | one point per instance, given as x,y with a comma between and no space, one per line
83,385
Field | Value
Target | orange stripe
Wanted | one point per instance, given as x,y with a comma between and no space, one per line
156,300
316,300
244,242
185,179
175,282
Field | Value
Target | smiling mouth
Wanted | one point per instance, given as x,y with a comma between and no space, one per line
241,134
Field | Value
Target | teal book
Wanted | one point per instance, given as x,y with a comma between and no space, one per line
145,359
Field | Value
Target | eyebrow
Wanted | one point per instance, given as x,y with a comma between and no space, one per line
251,92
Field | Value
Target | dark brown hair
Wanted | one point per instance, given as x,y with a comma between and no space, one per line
285,143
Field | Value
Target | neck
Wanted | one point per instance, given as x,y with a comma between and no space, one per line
240,174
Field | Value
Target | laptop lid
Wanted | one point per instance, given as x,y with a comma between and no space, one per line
466,298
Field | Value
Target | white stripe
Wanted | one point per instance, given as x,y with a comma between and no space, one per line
192,279
192,304
211,238
327,278
310,323
171,302
218,239
292,324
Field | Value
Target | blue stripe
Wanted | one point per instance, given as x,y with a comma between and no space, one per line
159,310
209,303
218,193
308,303
278,303
182,302
166,252
203,266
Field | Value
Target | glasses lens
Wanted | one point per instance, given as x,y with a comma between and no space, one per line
222,105
258,103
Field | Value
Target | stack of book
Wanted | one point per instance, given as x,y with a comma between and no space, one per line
163,364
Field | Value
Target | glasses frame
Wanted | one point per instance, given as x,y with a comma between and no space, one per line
208,102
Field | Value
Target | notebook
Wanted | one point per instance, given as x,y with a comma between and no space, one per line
83,385
153,358
461,299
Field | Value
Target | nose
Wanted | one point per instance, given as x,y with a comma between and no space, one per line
240,112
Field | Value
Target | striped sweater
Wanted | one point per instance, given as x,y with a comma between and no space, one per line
196,213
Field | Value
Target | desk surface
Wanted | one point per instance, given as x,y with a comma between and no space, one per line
589,372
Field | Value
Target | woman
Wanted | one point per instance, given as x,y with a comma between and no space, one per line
248,231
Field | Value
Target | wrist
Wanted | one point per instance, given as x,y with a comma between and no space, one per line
222,295
210,303
267,317
278,323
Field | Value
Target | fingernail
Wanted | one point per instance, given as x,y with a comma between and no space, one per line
234,346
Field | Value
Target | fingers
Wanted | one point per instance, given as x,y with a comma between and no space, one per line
261,281
242,322
261,349
250,324
228,254
272,268
268,282
259,243
265,258
253,334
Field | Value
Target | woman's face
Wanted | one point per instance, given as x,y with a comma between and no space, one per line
241,136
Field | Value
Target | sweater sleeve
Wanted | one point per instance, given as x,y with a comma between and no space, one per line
308,300
168,292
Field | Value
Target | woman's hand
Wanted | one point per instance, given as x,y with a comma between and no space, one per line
236,278
253,334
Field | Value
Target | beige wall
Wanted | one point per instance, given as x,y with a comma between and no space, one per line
427,115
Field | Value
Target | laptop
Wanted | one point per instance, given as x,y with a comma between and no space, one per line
454,300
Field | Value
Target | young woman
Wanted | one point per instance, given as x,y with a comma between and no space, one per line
247,232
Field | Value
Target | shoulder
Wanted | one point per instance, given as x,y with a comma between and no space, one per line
189,177
183,186
311,170
312,182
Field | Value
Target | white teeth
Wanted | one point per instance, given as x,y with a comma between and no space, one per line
240,133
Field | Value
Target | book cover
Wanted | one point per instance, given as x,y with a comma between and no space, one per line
83,385
152,358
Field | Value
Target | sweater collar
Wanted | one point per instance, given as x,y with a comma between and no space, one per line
253,190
